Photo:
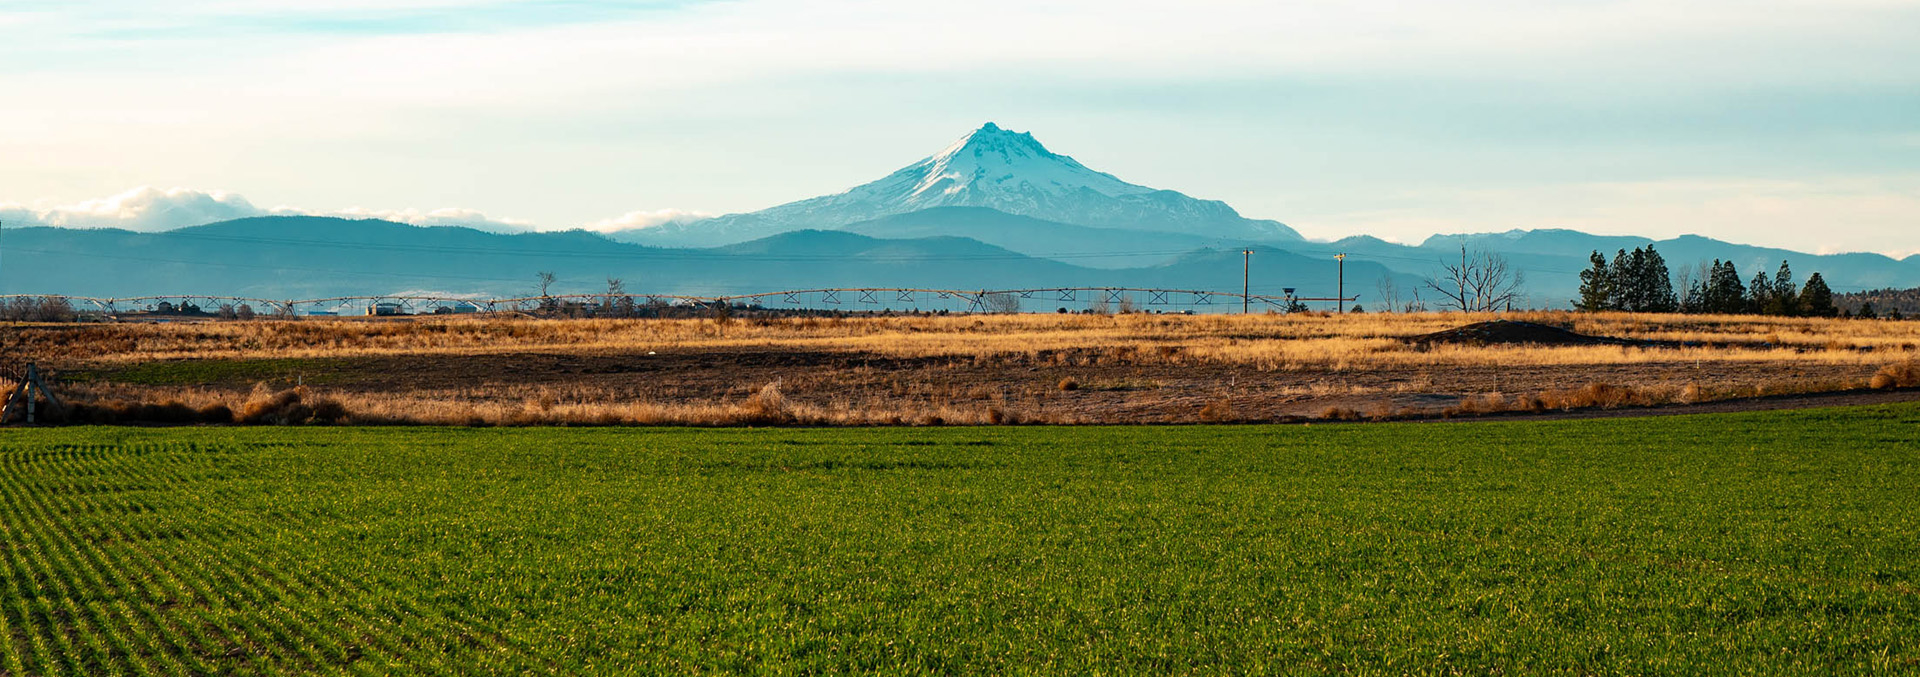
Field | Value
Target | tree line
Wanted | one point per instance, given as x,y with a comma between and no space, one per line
1889,302
1640,281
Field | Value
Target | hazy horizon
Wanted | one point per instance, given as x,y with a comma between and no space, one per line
1786,124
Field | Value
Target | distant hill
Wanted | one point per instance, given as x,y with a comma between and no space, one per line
950,247
1080,245
1007,171
1884,301
1557,256
314,257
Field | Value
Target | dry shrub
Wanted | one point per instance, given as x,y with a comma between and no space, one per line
266,406
168,412
1340,414
510,406
1603,395
1217,411
1694,392
1901,375
1069,383
287,407
1490,403
111,412
328,410
216,413
767,405
999,416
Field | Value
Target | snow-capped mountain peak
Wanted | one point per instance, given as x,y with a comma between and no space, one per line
990,167
998,160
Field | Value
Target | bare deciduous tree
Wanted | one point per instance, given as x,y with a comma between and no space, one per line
39,309
616,302
546,279
1389,294
1000,302
1481,281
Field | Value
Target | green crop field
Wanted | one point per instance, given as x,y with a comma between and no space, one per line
1778,543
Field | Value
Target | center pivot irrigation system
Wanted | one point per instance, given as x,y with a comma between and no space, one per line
979,300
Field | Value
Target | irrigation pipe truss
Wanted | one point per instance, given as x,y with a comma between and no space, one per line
976,299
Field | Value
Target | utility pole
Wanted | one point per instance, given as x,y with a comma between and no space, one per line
1342,288
1246,280
31,384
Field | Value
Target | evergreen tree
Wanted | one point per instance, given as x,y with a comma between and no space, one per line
1724,292
1631,285
1596,286
1619,280
1759,293
1655,283
1866,312
1786,295
1816,299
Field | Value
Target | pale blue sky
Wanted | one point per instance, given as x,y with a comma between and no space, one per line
1773,122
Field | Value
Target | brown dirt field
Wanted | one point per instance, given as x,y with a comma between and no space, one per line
968,370
1141,393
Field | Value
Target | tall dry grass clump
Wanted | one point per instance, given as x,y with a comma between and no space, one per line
107,405
768,405
1218,411
1899,375
1594,395
288,407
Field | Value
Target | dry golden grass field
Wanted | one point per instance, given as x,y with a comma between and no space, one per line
960,369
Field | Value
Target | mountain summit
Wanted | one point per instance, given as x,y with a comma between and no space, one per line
997,169
994,167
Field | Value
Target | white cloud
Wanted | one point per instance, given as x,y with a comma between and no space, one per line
646,219
149,209
145,208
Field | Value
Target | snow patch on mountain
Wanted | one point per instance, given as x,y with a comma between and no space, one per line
994,168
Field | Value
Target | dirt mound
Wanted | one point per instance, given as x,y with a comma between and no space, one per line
1505,332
